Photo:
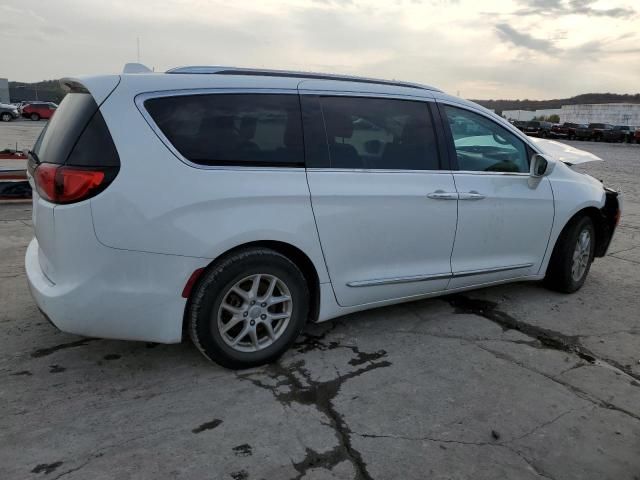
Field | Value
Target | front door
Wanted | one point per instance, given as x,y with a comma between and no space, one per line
384,208
504,215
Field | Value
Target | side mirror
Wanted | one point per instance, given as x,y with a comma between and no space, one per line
539,166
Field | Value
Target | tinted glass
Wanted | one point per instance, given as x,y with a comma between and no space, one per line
64,128
374,133
232,129
95,147
482,145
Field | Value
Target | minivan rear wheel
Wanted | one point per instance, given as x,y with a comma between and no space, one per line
35,117
248,308
572,256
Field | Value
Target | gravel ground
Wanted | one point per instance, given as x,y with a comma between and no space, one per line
20,133
506,382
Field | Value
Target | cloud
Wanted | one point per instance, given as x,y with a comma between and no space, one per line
446,43
571,7
520,39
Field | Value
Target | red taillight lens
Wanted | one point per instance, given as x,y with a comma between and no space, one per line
77,184
45,178
60,184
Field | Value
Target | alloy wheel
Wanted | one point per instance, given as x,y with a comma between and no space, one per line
254,312
581,255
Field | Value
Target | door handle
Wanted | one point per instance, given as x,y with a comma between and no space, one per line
442,195
472,195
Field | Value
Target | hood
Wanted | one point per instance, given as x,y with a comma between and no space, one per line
564,153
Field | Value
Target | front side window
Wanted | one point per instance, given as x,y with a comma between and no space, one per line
375,133
482,145
232,129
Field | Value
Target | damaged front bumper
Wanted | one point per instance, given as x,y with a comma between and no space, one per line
610,218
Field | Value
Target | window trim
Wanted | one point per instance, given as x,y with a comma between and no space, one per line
432,111
224,165
450,145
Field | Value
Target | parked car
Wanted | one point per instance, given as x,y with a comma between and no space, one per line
566,130
8,112
519,124
636,136
37,111
593,131
14,189
619,133
538,129
241,204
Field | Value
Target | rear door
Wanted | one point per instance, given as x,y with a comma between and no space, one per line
384,204
504,216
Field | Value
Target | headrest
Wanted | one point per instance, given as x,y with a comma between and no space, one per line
292,132
414,132
218,123
338,124
247,128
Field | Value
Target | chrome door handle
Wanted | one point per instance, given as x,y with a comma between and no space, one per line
472,195
442,195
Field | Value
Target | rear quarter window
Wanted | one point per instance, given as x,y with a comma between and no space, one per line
232,129
62,132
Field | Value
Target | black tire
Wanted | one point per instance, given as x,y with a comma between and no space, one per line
35,117
559,275
214,285
6,117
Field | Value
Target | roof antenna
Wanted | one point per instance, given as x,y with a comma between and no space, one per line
136,67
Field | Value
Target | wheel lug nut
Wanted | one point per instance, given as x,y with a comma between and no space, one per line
244,314
253,302
252,323
264,305
263,316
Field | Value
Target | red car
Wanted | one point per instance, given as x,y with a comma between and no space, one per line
36,111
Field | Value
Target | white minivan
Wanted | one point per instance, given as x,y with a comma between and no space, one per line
235,205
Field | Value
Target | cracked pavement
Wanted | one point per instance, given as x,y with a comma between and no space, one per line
506,382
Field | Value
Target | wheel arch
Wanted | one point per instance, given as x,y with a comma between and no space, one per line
293,253
600,225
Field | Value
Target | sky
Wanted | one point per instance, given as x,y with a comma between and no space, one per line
481,49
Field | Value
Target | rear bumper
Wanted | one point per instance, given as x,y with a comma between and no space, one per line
121,295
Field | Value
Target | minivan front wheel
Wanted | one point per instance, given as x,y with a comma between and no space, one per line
572,256
249,308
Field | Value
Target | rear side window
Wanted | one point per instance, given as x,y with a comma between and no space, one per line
232,129
376,133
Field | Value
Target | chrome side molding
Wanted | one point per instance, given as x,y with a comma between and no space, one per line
389,281
436,276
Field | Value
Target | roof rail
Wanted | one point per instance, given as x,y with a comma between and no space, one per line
220,70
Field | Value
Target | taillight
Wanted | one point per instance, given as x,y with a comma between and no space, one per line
66,184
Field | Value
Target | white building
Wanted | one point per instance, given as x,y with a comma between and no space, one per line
612,113
4,91
527,115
